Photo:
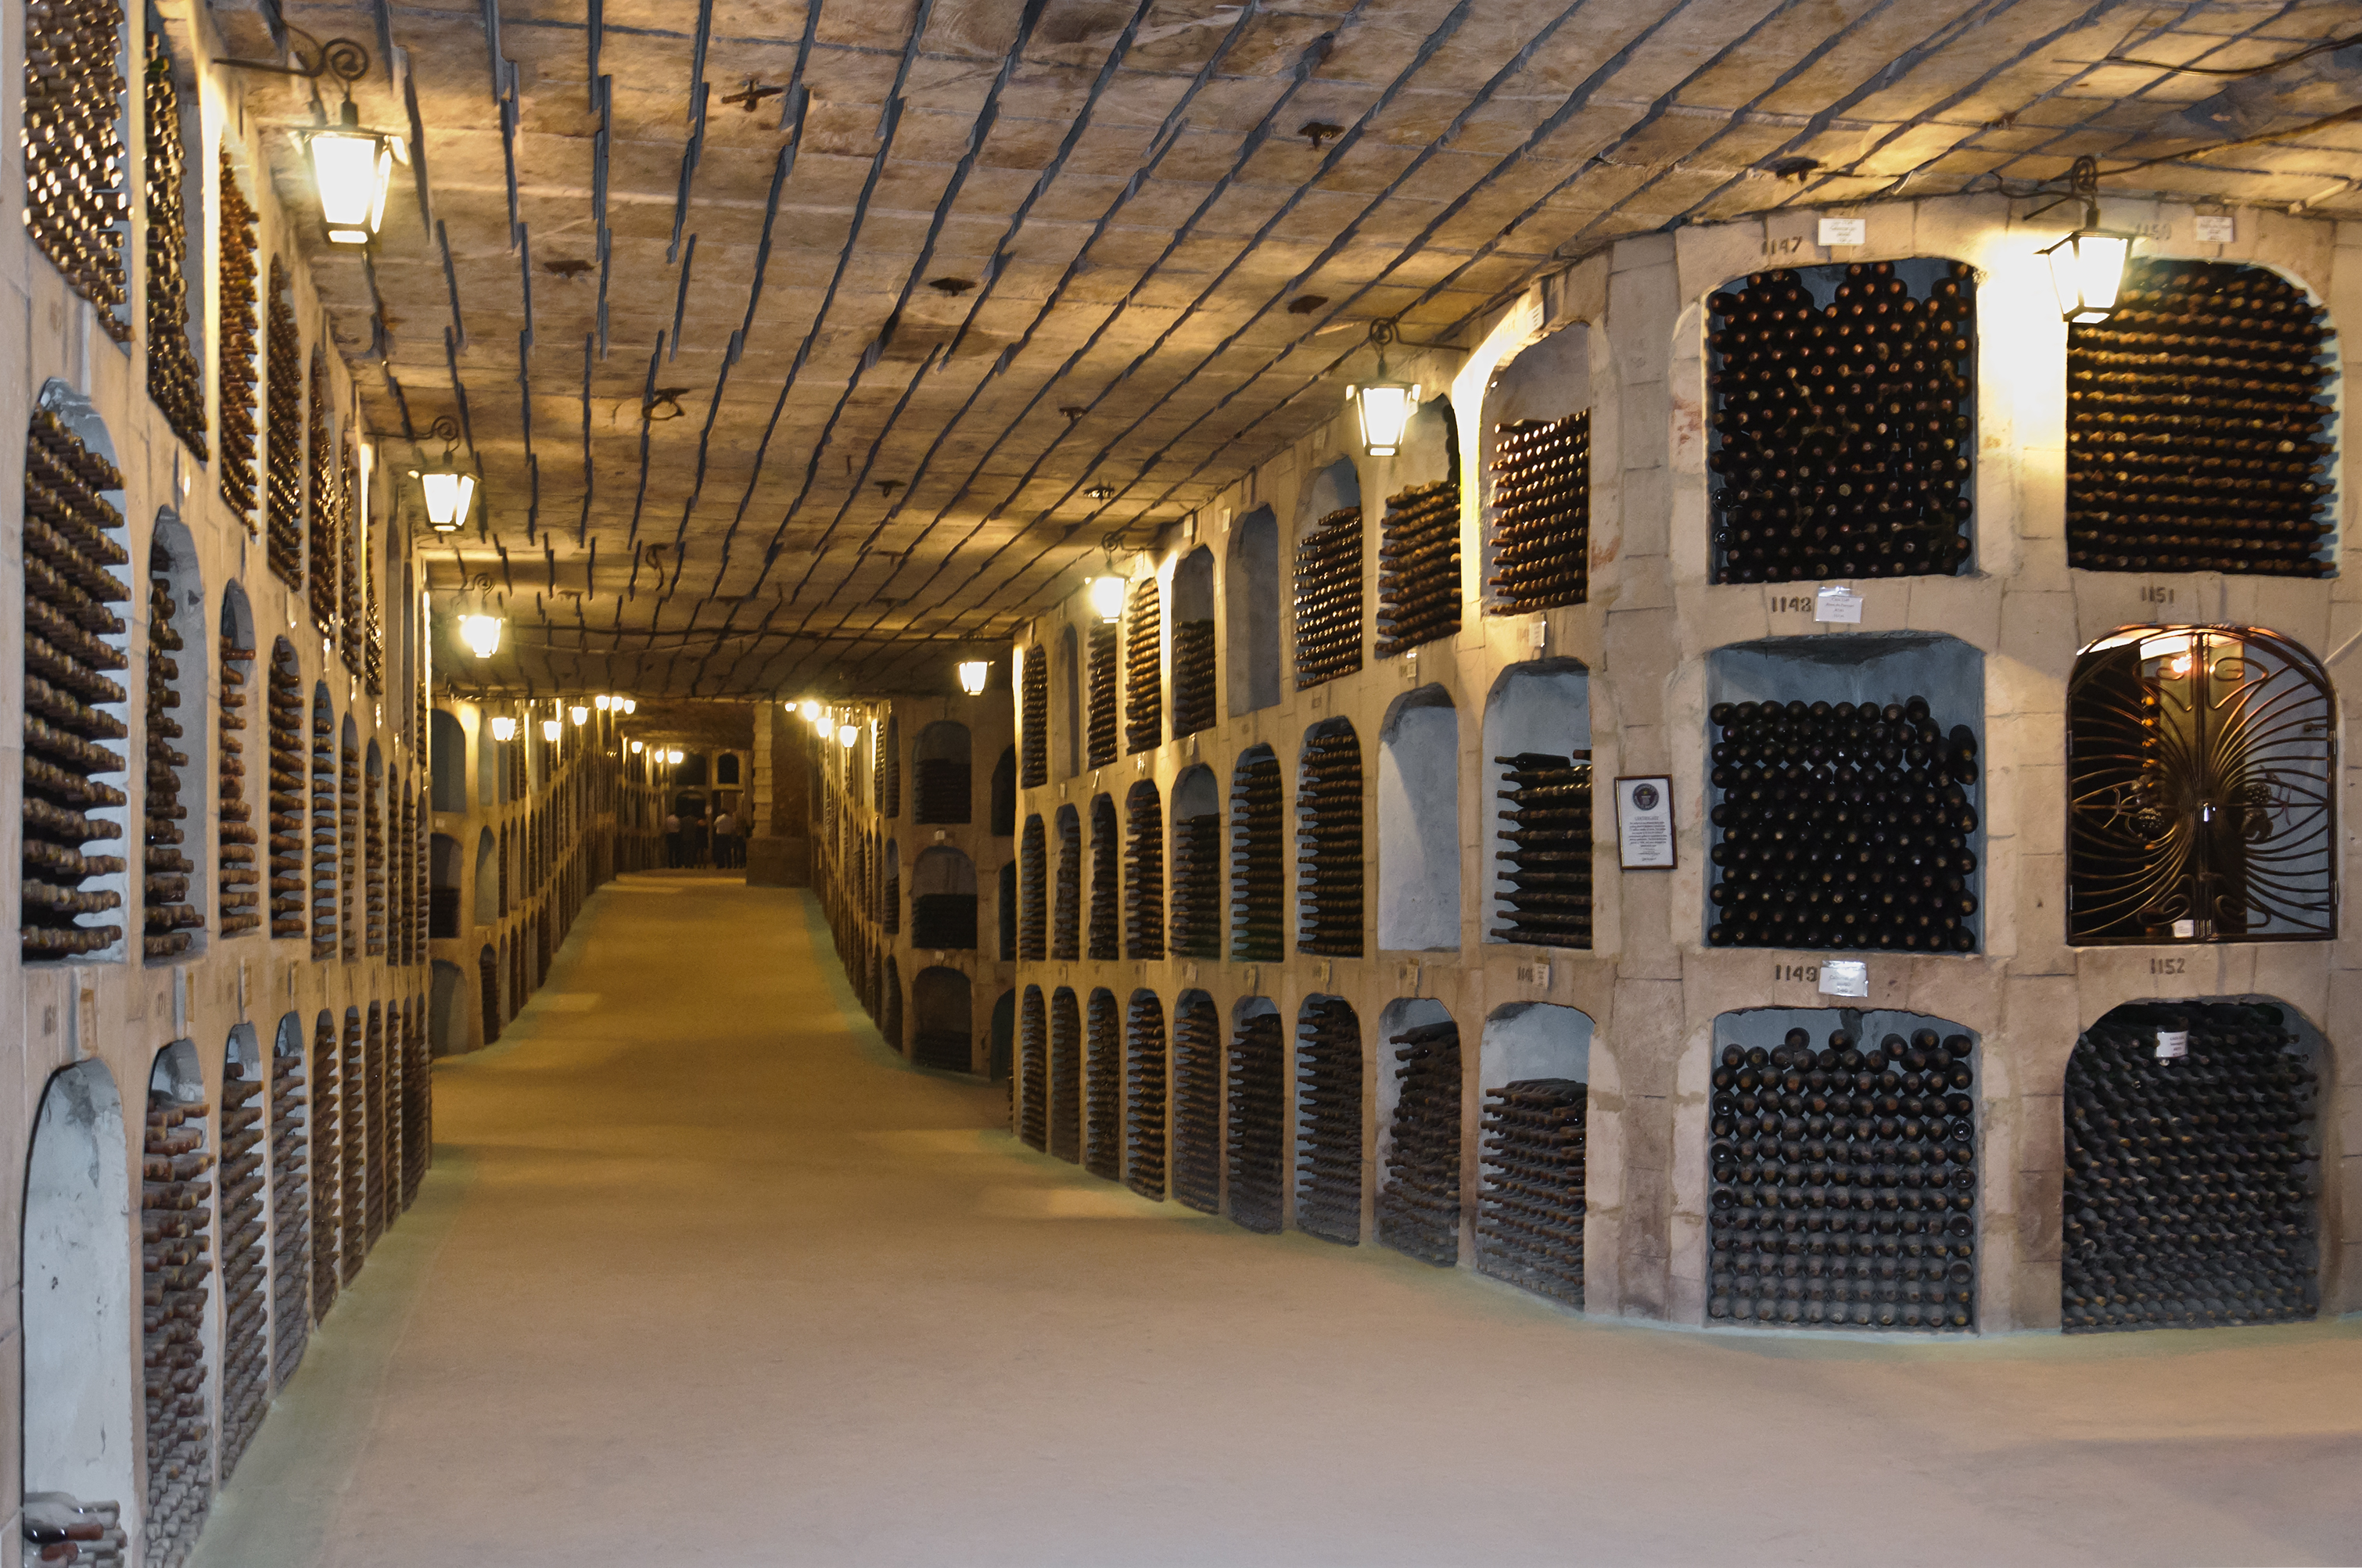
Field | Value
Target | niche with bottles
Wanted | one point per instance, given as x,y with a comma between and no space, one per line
1105,925
1144,890
1258,871
1329,1120
942,773
1065,1076
1536,449
1197,926
245,1257
1196,1102
1328,841
1143,668
1032,893
943,899
1251,594
1101,735
237,857
1257,1132
1329,587
1193,643
1419,822
1534,1062
1538,762
1032,1069
1145,1095
942,1025
1419,1121
1419,537
1034,718
1065,923
1103,1087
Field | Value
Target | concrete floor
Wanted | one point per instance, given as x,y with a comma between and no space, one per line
702,1275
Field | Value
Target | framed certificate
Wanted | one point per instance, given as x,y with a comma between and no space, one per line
1644,821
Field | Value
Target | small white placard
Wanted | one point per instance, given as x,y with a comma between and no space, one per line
1539,632
2185,928
2219,229
1845,231
1837,602
2172,1043
1845,978
1644,822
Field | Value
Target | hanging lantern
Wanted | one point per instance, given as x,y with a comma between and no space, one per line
503,728
2087,268
971,676
352,168
1107,598
549,728
1384,406
578,713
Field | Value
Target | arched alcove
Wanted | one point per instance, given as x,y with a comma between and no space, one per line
1004,915
1033,716
448,759
239,854
1419,1122
886,765
890,1005
1888,1182
1418,536
1328,576
890,892
1065,1076
491,763
75,1295
244,1256
1194,673
489,970
1329,1120
725,769
1539,838
488,878
943,899
446,1020
1534,1064
291,1199
1066,921
1860,700
1196,930
1419,822
1143,682
1105,924
373,852
943,789
1328,836
175,891
444,885
942,1031
1102,682
1258,1104
1004,1033
1144,890
1534,442
2195,1152
1259,911
1142,1095
1194,1111
1033,1068
1032,893
1103,1087
2202,767
1002,817
1070,704
1251,585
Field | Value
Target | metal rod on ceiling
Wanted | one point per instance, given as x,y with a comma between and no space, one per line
680,309
582,529
647,404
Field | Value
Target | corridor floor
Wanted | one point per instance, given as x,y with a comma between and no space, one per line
702,1275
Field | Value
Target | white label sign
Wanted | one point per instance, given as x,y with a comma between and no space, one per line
2220,229
1845,231
1644,822
1845,978
1836,602
2172,1044
2185,928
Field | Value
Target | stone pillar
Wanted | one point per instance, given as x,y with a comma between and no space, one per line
778,852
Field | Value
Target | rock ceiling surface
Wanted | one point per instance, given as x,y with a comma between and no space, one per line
807,346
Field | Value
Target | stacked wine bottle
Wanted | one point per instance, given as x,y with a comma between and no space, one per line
1144,684
1197,886
1065,1076
324,549
1033,894
1418,1206
56,1523
2198,422
245,1262
1193,677
373,881
1103,1088
886,770
942,790
889,900
1329,1121
239,871
1418,568
290,1213
944,921
417,1103
1845,1183
176,1274
1329,843
1541,514
1843,432
1033,759
176,379
1034,1073
349,802
1842,826
1258,876
1099,723
1065,921
373,1163
1258,1103
1329,599
352,1149
71,639
238,325
75,167
1529,1209
327,1187
1143,890
1143,1090
1196,1104
324,832
167,916
2192,1174
1545,872
283,434
1106,922
285,698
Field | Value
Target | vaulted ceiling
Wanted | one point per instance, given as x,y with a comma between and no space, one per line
804,344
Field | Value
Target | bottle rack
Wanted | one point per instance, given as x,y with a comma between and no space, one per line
1033,894
1103,927
1033,1074
176,380
1193,677
1782,865
2197,425
324,832
1529,1208
291,1215
488,994
945,1050
52,1520
1143,882
76,165
1845,1183
1103,1094
285,698
1258,876
327,1187
1329,1121
1258,1137
352,626
175,1275
283,404
352,1149
1197,1105
70,637
1197,886
1066,917
1418,568
320,498
239,321
1033,749
1841,431
1099,725
889,901
245,1262
417,1102
1066,1076
373,1166
1329,599
1142,1114
886,770
169,918
240,897
1545,872
943,790
1143,681
1329,843
349,833
373,906
1541,514
945,921
1418,1206
2192,1179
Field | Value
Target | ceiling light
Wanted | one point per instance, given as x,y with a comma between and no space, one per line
1385,407
846,735
481,634
1107,598
578,713
2087,268
351,169
601,701
449,490
503,728
673,755
549,728
636,747
971,676
1101,493
629,704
